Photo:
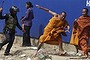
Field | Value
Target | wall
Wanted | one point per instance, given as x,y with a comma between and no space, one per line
72,7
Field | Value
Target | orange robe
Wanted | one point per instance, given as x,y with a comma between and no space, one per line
50,35
81,30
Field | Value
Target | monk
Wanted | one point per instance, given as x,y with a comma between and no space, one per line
54,29
81,32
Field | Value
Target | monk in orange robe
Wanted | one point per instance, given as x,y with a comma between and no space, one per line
54,29
81,32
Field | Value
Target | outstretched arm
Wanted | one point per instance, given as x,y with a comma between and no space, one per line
47,10
2,17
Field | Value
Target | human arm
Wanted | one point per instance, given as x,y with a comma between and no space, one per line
18,25
1,9
57,30
67,26
2,17
21,19
29,15
68,29
47,10
21,28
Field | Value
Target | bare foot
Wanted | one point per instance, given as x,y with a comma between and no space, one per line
34,55
84,56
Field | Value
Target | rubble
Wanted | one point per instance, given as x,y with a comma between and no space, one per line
46,53
23,55
28,58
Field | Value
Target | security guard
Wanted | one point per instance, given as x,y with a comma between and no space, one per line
11,22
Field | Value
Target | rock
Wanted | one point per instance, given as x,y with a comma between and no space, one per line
36,58
18,52
28,58
71,53
23,55
33,48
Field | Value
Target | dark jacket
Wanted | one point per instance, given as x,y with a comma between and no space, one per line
7,18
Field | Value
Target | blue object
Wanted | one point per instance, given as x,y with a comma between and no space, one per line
41,18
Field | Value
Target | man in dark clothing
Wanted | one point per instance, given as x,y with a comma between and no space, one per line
27,24
11,22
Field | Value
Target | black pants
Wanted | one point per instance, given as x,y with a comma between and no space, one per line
26,36
9,39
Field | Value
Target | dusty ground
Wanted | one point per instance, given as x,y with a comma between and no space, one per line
26,53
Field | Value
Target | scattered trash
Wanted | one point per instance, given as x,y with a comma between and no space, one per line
43,55
18,52
34,48
23,55
48,59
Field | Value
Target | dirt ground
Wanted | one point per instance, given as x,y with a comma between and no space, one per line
46,53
